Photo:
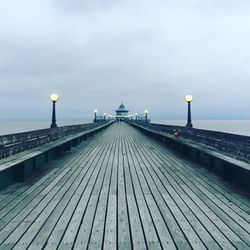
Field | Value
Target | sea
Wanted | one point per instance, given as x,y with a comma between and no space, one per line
18,126
241,127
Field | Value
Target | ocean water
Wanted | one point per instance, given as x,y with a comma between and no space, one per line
241,127
17,126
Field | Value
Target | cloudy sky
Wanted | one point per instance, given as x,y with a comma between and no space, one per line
147,53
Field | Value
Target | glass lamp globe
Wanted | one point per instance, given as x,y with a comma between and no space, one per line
54,97
189,98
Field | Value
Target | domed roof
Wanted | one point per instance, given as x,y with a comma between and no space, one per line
122,108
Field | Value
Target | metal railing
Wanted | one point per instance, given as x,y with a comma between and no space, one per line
233,144
18,142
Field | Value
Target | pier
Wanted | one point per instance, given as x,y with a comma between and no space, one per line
122,188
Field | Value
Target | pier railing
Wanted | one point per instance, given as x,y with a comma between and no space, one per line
233,144
18,142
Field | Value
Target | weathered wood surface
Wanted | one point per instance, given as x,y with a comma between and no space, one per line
124,190
225,166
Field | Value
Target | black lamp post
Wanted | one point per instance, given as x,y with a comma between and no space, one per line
189,99
54,98
146,115
95,112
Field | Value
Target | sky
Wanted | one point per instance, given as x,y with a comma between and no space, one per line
147,53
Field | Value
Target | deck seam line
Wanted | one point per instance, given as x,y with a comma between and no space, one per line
186,205
45,196
206,205
83,171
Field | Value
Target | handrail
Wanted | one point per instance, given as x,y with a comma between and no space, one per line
18,142
233,144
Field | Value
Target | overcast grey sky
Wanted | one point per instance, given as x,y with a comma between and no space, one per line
149,54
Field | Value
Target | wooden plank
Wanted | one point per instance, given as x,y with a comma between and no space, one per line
37,187
11,224
166,225
66,228
63,213
123,230
124,238
15,159
215,180
36,205
8,192
137,234
229,223
215,209
184,181
39,215
206,222
130,231
110,240
110,231
151,237
85,230
98,229
172,230
188,213
212,186
123,190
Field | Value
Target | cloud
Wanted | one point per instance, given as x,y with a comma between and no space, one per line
147,53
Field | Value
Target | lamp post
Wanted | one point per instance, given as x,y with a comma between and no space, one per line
146,115
189,99
95,113
136,116
54,98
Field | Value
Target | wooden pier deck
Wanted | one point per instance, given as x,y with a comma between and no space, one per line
123,190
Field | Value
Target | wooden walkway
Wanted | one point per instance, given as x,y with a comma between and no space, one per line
123,190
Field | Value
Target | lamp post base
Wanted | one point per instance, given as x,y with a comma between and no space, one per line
189,125
53,125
